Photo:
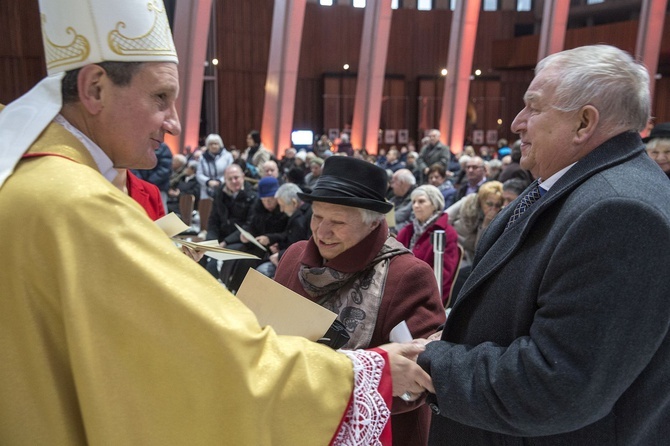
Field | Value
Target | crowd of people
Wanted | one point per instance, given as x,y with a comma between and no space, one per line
110,335
230,197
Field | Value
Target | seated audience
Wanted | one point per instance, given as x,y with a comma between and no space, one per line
297,227
513,169
511,189
658,146
393,161
232,205
475,176
471,215
427,204
264,217
437,176
493,169
402,184
315,166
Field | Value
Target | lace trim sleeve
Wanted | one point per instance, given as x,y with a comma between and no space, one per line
368,413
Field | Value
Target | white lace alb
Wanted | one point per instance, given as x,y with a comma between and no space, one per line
368,414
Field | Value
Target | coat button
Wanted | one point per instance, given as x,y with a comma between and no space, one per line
435,408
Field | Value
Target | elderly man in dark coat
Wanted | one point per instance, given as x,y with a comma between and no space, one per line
352,266
560,335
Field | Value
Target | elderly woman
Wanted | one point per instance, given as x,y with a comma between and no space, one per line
427,205
212,164
471,215
438,177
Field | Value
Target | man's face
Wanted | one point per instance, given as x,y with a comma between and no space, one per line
546,133
337,228
398,186
316,169
287,207
270,203
434,138
270,169
474,169
661,154
134,118
234,178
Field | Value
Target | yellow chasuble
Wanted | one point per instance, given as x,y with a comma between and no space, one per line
109,335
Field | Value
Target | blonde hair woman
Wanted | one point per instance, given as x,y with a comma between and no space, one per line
473,213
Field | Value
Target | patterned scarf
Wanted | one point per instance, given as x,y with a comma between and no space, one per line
420,228
354,297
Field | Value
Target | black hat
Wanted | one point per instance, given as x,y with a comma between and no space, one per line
351,182
661,130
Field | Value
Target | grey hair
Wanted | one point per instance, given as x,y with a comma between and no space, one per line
213,137
181,158
370,217
605,77
406,176
193,164
493,164
652,143
432,193
288,192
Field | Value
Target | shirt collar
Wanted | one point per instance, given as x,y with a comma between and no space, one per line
105,165
549,182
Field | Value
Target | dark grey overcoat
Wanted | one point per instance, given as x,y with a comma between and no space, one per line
560,334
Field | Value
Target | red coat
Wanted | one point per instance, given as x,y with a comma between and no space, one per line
423,249
146,194
410,294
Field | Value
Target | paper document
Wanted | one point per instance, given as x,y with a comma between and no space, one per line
212,249
287,312
250,237
171,224
400,333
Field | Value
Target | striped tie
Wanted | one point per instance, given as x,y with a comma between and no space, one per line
526,202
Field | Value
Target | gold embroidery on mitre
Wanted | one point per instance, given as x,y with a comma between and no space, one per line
58,55
158,41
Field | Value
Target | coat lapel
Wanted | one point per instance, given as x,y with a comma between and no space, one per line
497,245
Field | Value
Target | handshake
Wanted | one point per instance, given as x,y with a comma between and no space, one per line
410,381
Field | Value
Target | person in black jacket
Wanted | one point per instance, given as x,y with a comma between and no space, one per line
297,227
265,217
232,205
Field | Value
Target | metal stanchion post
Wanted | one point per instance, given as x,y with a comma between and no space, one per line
438,251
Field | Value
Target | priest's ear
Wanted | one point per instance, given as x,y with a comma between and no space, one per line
90,83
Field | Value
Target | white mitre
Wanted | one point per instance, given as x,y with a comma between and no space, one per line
77,33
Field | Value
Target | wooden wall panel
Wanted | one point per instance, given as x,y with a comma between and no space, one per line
243,43
21,52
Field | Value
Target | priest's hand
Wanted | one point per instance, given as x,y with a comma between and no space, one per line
409,380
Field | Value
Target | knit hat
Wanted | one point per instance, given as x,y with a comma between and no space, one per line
267,187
